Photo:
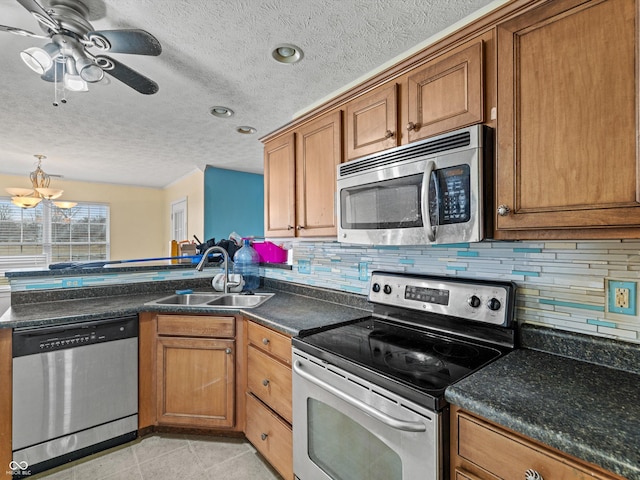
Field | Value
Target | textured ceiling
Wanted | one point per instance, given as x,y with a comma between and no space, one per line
215,52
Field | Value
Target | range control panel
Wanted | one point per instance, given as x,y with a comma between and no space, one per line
478,300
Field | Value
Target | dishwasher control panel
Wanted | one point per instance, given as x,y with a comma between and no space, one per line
36,340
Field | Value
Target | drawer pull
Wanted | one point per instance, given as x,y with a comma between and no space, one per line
532,475
228,351
503,210
265,341
264,436
265,382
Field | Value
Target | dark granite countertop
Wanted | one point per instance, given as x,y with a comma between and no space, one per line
287,311
587,410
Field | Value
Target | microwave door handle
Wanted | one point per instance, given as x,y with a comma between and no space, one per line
426,215
374,412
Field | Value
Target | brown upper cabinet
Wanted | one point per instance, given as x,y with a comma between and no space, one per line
372,122
567,122
446,93
300,179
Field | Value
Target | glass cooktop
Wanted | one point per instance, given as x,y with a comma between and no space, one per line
421,360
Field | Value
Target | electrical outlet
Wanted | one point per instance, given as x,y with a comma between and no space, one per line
622,297
304,266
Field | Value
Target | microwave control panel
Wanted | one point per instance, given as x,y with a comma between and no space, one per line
450,195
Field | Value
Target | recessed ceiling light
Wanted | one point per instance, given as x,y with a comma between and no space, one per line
246,130
287,53
220,111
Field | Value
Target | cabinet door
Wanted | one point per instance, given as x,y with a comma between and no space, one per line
446,93
372,122
567,121
318,154
279,187
195,382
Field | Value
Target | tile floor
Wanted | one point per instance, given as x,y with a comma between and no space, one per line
168,457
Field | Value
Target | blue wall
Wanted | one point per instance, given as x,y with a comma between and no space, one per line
233,202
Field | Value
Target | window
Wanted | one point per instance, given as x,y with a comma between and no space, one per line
74,234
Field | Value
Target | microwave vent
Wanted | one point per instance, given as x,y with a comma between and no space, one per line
407,152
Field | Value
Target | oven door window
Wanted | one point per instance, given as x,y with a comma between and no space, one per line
353,452
450,195
387,204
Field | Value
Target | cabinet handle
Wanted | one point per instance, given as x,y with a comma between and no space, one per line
389,134
289,227
265,341
265,382
413,126
532,475
503,210
299,227
264,436
228,351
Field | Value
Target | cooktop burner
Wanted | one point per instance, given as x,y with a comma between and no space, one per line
420,359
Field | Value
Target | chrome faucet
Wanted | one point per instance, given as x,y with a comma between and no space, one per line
225,257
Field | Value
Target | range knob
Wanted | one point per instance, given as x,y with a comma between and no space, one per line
473,301
387,289
376,287
494,304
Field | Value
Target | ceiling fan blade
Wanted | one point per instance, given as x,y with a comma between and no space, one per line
133,41
41,14
21,32
126,75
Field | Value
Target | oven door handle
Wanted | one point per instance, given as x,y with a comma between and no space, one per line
426,214
375,413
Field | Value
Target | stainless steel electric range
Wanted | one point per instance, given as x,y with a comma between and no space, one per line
369,394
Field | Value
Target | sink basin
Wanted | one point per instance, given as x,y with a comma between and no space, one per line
214,301
187,299
240,301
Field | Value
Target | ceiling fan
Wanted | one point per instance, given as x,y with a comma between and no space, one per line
67,60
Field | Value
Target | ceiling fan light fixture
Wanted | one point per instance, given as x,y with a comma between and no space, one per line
287,53
37,59
221,112
89,71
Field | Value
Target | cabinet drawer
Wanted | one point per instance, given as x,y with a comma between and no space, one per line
508,456
196,326
270,381
275,343
271,436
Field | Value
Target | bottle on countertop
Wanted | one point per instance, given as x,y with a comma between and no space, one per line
246,263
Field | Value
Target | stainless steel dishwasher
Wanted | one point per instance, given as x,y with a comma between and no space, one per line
75,391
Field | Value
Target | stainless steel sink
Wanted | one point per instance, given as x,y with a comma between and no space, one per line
240,301
187,299
214,301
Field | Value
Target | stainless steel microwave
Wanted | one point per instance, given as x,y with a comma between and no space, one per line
427,192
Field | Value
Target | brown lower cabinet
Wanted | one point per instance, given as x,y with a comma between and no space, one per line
191,372
481,450
268,403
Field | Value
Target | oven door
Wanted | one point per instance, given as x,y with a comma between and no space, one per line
345,428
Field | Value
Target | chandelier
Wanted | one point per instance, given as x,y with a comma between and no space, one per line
31,197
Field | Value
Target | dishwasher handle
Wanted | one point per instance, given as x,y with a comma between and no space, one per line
388,420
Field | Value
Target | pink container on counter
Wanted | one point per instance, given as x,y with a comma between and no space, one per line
270,252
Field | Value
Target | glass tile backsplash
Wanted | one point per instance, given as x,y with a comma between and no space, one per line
560,284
